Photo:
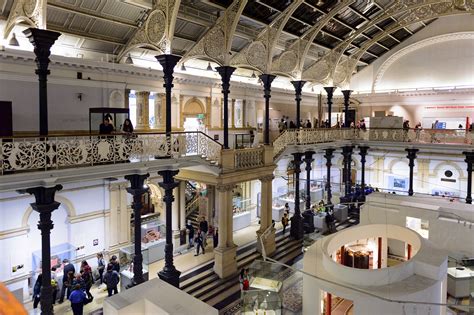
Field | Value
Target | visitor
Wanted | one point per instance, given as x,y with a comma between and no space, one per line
281,125
284,221
106,127
330,220
111,279
204,227
86,275
54,284
190,228
100,266
244,280
308,124
127,127
362,125
199,242
66,269
115,263
78,281
37,290
435,125
287,208
406,128
78,299
292,125
215,238
460,126
418,132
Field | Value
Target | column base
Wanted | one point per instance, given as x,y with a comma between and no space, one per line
170,276
268,242
296,227
225,261
176,242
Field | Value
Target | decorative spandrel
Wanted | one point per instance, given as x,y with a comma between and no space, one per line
32,12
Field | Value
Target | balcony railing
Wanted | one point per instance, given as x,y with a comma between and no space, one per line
249,158
314,136
34,153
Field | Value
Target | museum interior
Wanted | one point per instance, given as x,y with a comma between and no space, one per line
236,157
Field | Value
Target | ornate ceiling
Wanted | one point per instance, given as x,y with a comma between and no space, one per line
315,40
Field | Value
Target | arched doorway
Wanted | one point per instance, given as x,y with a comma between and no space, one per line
193,115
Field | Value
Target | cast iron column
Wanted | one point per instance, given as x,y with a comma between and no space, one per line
411,163
308,159
168,62
298,90
330,91
470,161
137,190
346,171
169,272
225,73
347,95
296,229
42,41
329,155
267,80
363,153
45,204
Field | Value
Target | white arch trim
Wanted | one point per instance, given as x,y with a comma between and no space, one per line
413,47
66,203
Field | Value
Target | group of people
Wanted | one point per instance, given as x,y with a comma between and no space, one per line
199,238
285,123
107,126
76,286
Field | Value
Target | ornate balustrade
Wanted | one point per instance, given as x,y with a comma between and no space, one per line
314,136
27,154
249,158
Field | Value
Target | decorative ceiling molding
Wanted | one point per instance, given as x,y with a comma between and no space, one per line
413,47
32,12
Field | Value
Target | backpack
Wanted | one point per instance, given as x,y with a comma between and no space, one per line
112,279
245,284
284,221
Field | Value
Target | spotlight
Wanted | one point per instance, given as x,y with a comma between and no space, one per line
183,67
129,60
13,41
253,75
209,68
312,89
320,3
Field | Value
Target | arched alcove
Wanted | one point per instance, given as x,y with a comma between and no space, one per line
192,108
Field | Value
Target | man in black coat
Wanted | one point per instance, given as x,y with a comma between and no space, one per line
67,267
204,227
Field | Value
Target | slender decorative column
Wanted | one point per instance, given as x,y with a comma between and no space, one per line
470,161
266,216
330,91
347,95
267,80
168,62
298,85
143,103
329,155
137,190
45,204
346,173
169,272
296,228
225,73
308,159
363,153
411,163
42,41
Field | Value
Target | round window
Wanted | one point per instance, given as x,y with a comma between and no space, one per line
448,173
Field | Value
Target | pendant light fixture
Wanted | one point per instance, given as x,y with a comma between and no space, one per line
13,41
253,75
209,68
129,60
183,67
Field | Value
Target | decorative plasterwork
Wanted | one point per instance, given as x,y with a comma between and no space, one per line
157,31
413,47
216,44
258,54
32,12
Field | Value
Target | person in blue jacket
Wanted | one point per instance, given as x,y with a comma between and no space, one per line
78,299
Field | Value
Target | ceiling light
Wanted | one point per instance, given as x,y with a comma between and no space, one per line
253,75
183,67
13,41
129,60
320,3
312,89
209,68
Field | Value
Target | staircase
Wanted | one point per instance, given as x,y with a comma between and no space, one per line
205,285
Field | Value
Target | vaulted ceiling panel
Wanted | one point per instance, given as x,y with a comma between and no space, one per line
57,17
90,4
121,10
107,29
80,23
98,46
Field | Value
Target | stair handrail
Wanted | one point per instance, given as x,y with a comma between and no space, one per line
190,206
261,238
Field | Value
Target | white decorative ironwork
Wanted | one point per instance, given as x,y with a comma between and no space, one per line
249,158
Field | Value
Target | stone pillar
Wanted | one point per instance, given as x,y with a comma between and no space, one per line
124,214
114,199
411,163
298,85
266,217
45,204
225,73
328,155
137,190
182,204
143,100
175,217
347,95
296,228
470,161
169,272
126,100
267,80
232,114
346,172
42,41
330,91
363,153
308,159
157,106
225,255
211,204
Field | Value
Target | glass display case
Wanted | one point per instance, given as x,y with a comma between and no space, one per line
116,115
241,212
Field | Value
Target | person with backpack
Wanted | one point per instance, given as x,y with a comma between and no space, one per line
111,279
37,291
100,266
78,299
284,221
86,274
199,242
190,228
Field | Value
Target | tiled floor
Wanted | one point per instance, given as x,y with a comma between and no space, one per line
183,262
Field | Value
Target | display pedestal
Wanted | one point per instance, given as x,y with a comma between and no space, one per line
126,279
459,281
268,242
320,222
242,220
225,261
316,194
156,250
277,213
340,212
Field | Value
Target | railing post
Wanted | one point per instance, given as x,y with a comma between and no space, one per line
363,153
267,80
296,228
225,73
470,161
411,163
347,95
328,155
298,85
330,90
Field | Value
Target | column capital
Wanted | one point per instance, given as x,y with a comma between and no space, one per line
42,41
168,179
44,197
137,182
225,188
469,157
267,178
